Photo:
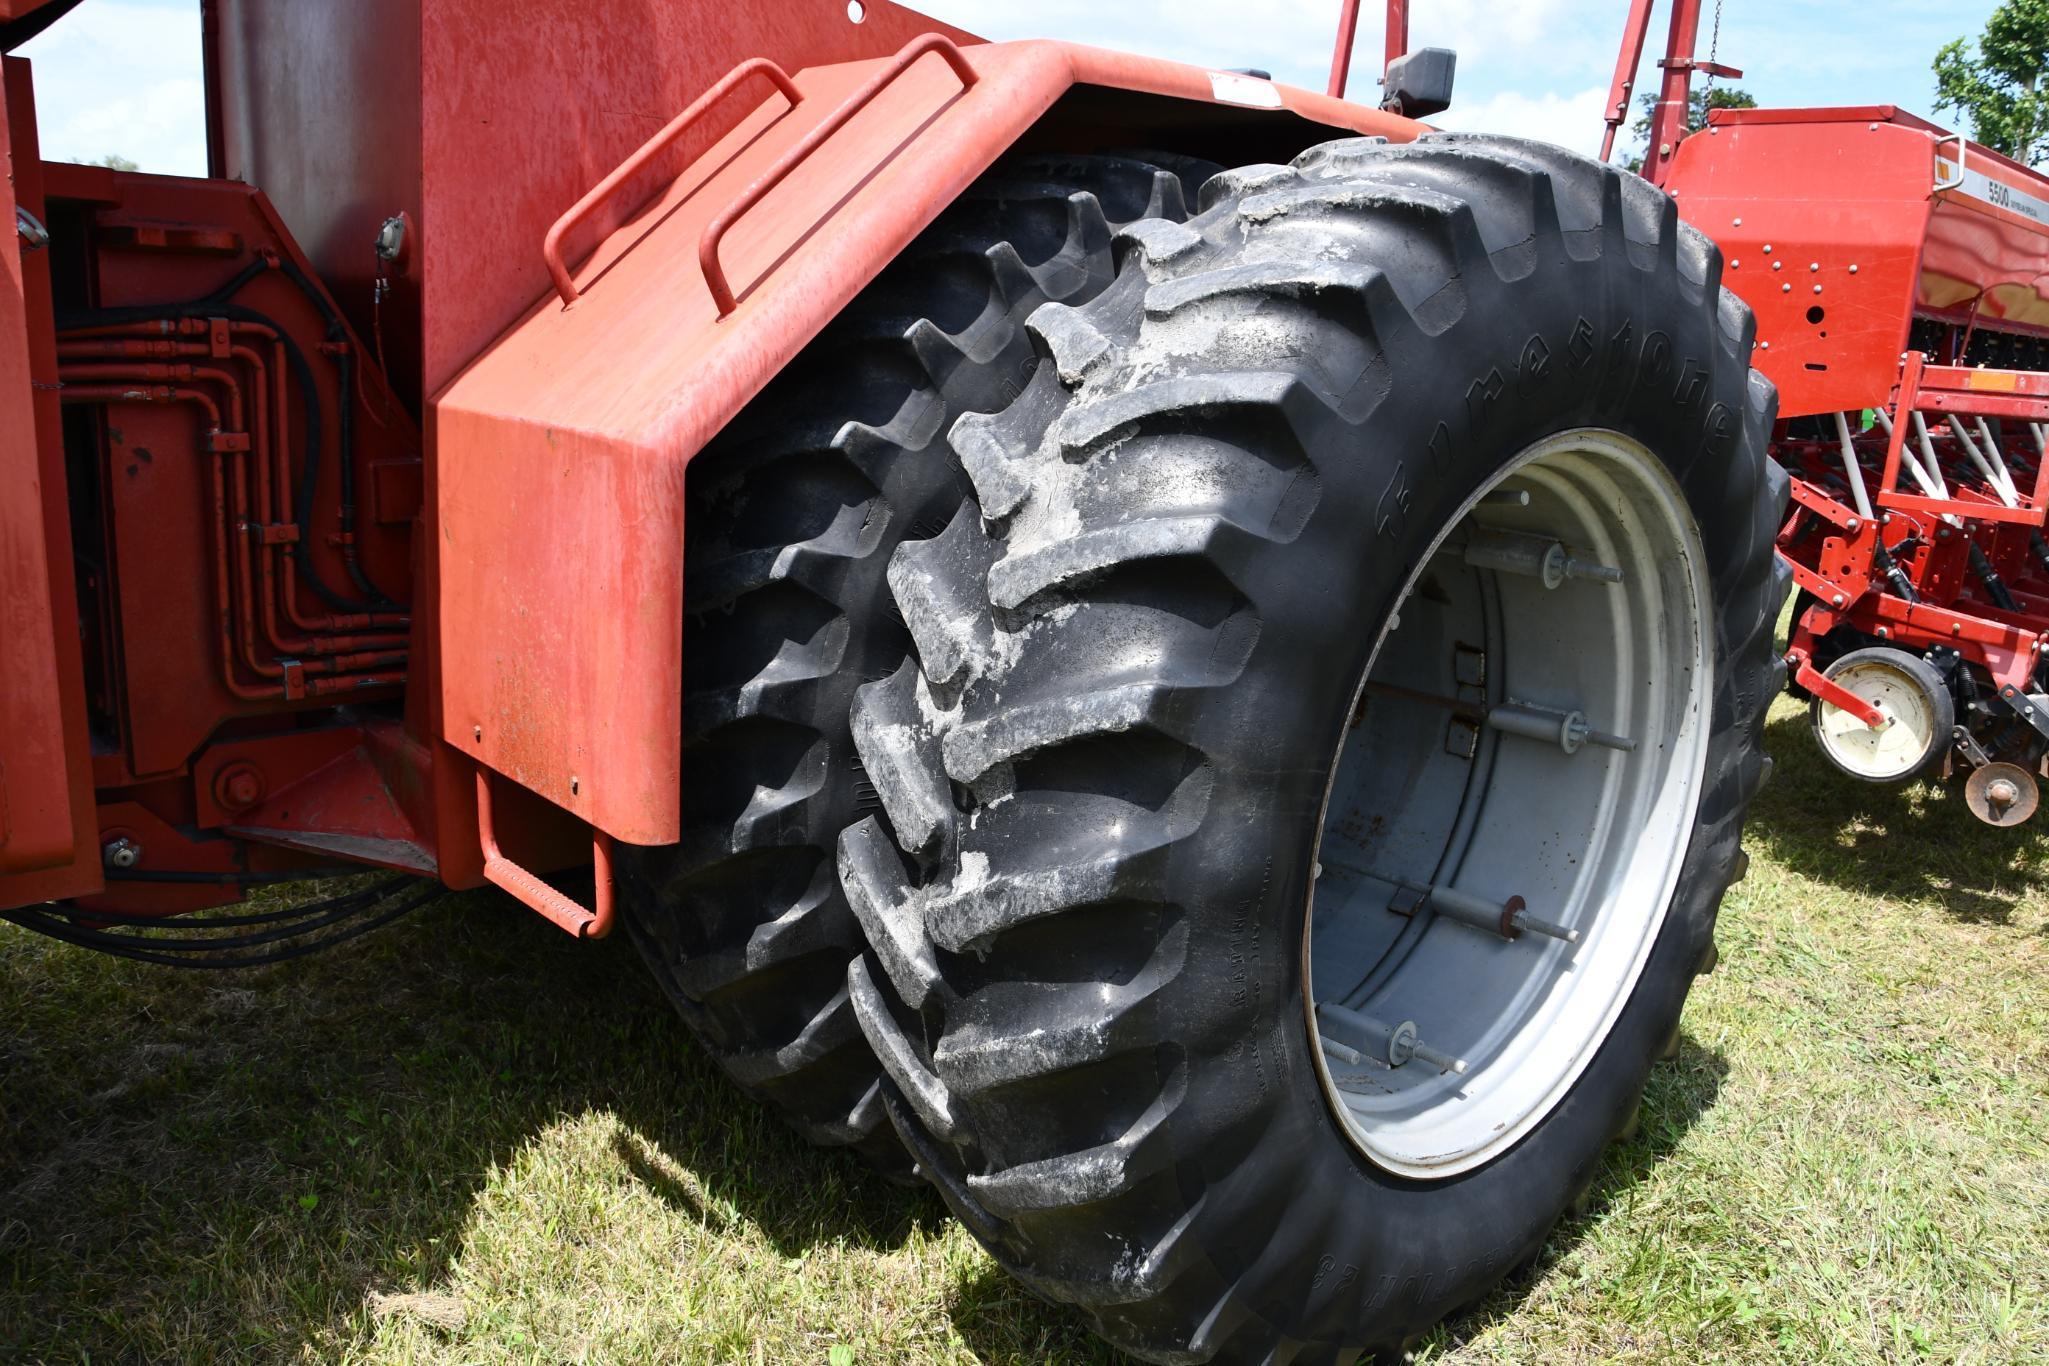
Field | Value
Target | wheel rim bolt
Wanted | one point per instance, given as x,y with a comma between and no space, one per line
1364,1037
1539,557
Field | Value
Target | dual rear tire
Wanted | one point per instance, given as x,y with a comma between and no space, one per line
1242,678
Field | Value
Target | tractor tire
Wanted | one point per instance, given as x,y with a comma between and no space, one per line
1159,700
791,516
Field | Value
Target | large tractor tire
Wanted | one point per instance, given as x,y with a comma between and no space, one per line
791,516
1326,746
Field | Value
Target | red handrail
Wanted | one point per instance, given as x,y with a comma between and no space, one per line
551,246
708,242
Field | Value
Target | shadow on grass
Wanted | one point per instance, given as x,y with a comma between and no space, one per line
1912,842
222,1166
994,1314
1677,1094
1004,1324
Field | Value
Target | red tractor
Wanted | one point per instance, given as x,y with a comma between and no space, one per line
1179,657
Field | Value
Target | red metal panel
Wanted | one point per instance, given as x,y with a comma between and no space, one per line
483,119
318,103
46,787
1988,240
35,795
557,475
1829,190
345,809
1817,203
182,661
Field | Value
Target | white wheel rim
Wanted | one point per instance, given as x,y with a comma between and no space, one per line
1592,840
1892,750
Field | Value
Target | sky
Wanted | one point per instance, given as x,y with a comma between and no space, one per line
122,77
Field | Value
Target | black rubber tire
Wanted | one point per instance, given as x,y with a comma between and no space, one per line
791,516
1926,677
1102,775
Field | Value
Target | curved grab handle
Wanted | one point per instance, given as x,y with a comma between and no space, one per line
1941,184
551,246
708,242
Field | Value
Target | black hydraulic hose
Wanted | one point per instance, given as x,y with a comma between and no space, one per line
1894,575
140,949
231,879
244,919
2040,547
345,368
1995,588
160,944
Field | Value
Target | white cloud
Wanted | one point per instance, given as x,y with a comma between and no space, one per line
1572,121
116,79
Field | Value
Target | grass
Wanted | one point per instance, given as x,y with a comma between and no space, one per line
468,1139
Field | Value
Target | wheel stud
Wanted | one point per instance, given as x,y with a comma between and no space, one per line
1539,557
1523,920
1395,1044
1568,729
1509,919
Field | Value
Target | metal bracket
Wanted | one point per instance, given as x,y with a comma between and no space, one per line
34,236
1832,692
1969,747
2024,707
1721,70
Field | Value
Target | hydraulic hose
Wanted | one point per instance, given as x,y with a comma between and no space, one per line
217,305
1995,587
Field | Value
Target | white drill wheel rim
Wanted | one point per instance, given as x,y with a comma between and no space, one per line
1892,750
1593,840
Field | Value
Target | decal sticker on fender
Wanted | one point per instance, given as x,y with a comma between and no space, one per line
1974,184
1235,88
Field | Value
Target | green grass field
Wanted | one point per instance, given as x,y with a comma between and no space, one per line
468,1139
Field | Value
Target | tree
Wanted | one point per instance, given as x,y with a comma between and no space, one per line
117,161
1697,106
2002,88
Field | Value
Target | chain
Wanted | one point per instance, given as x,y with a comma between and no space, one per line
1714,47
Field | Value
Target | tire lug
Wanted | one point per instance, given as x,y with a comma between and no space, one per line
1669,1049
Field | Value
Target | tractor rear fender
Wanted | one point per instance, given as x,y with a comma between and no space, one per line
557,456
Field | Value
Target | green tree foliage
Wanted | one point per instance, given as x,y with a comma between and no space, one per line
117,161
2002,87
1697,106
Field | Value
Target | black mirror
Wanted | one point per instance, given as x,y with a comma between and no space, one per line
1419,83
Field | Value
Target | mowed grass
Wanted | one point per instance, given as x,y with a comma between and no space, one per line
468,1139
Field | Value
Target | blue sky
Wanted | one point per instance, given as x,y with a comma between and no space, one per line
122,76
